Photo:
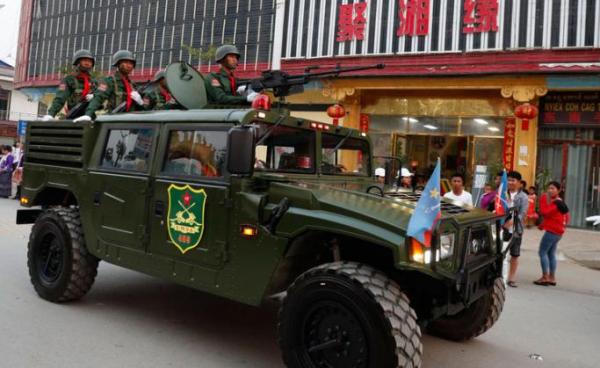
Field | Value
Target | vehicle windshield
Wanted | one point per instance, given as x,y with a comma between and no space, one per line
342,155
286,149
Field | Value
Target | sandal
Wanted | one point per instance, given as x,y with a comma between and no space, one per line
512,284
551,283
541,282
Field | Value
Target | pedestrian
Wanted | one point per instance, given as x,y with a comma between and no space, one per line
488,196
78,86
158,94
532,214
17,176
458,193
6,169
222,87
519,200
117,89
555,216
380,175
405,180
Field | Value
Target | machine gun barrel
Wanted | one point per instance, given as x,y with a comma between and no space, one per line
78,110
284,84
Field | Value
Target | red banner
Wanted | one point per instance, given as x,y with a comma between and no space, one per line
508,151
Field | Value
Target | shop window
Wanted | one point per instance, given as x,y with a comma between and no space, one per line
128,149
196,153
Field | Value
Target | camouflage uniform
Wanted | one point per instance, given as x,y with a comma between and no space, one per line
112,89
220,90
159,98
70,91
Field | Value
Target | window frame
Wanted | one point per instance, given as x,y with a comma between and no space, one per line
164,149
104,136
368,170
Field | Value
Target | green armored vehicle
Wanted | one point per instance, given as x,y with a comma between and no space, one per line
247,204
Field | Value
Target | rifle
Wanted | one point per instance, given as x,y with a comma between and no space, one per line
122,105
284,84
78,110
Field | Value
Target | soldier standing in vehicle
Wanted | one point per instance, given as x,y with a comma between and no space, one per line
222,87
158,94
78,86
117,88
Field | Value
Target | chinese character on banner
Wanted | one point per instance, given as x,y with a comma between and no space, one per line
414,18
480,16
351,22
509,142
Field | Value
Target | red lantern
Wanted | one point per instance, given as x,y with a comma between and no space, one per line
526,112
336,112
364,123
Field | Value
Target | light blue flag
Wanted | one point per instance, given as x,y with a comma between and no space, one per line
428,209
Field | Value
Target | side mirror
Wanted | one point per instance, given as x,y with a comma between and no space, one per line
240,160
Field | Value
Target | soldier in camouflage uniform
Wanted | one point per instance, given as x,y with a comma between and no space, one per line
117,89
222,87
76,87
159,95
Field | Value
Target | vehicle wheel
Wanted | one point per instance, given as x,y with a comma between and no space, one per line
475,320
60,267
344,315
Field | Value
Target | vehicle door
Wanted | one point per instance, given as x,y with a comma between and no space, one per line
190,195
119,185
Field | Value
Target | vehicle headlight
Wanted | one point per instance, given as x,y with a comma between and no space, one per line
446,248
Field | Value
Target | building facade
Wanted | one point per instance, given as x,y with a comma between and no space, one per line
457,73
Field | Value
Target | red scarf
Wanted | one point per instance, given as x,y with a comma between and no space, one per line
232,82
128,91
165,94
86,85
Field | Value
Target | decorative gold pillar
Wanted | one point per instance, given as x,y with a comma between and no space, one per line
525,155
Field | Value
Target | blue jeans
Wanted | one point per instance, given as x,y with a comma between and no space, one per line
547,252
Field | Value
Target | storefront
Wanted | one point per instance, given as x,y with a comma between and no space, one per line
569,149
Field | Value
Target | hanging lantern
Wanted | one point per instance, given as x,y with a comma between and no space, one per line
526,112
336,112
364,123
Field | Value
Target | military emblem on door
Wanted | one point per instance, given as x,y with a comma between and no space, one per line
185,218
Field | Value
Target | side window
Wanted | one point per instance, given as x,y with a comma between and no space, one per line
196,153
128,149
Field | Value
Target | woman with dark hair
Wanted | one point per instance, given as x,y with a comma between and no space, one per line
555,216
6,168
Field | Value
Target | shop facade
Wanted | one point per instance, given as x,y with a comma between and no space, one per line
460,75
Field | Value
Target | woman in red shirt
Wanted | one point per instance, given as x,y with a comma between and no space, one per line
555,215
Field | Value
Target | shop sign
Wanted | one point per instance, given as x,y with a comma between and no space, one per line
510,128
413,18
571,108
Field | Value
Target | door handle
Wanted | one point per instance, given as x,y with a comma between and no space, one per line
159,208
97,196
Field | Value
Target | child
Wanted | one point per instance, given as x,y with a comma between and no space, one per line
532,214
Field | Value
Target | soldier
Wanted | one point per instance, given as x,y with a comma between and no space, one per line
221,87
117,88
159,95
76,87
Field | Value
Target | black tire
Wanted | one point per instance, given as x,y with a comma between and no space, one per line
60,267
475,320
345,314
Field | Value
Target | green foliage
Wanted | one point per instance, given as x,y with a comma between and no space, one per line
542,178
205,54
493,168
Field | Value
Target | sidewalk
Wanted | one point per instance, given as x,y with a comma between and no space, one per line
581,246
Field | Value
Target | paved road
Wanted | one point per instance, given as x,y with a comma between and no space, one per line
131,320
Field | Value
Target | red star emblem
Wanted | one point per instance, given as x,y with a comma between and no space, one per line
187,198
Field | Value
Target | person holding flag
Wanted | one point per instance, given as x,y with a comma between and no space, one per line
427,211
513,198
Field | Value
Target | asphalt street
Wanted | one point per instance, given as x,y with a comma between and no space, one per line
132,320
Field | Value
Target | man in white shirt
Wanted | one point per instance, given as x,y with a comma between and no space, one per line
458,193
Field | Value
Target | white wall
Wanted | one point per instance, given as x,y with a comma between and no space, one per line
21,108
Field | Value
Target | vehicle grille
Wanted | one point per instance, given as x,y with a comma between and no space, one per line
56,144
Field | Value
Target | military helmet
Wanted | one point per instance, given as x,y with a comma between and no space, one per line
224,51
83,54
122,55
159,75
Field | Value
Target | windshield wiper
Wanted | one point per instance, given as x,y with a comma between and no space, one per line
270,130
337,146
